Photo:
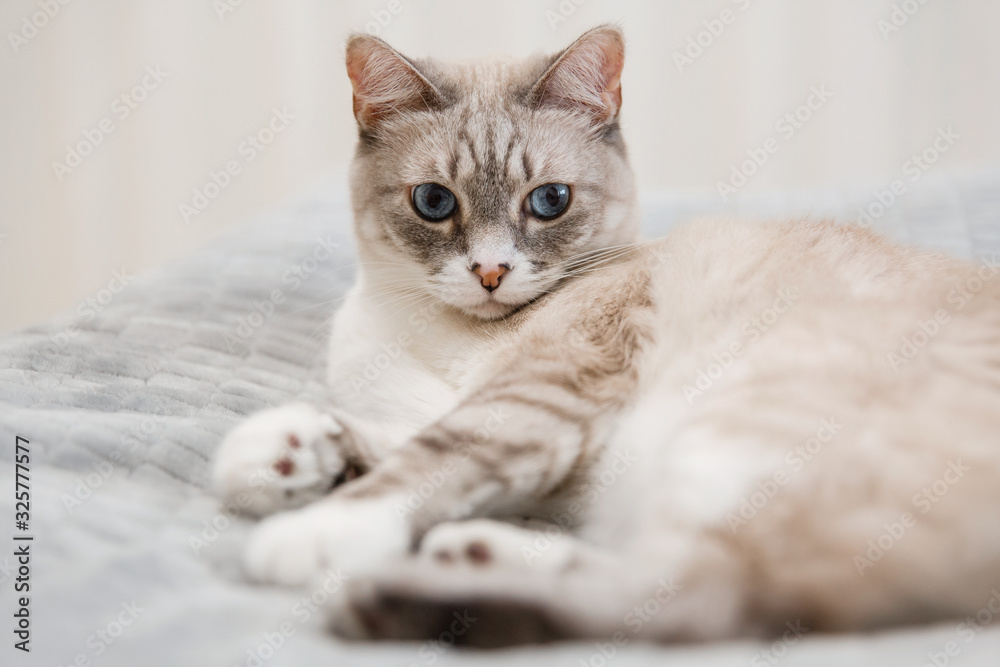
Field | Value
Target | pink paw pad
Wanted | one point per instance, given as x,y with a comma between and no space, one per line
285,467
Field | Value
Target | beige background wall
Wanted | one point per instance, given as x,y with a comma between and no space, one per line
61,240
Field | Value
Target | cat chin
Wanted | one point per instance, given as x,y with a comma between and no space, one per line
488,310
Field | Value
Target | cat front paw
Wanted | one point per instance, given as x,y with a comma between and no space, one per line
281,459
347,536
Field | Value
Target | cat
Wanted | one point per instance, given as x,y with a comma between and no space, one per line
537,416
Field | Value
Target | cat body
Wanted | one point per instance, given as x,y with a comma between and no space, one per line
747,425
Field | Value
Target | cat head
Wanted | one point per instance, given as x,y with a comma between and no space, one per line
483,183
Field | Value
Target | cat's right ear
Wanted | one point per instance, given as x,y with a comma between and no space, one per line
384,82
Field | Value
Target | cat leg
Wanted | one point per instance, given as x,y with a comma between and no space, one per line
290,456
530,434
489,457
443,474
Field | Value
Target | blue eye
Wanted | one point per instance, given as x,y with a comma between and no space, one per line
549,201
433,202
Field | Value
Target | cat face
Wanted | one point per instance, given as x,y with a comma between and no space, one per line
481,183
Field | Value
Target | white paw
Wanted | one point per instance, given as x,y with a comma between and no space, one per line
487,542
350,536
280,459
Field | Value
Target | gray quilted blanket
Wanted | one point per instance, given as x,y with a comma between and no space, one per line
123,401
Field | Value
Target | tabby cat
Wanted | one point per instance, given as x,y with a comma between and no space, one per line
574,433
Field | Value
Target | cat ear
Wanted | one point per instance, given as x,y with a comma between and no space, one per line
586,77
385,82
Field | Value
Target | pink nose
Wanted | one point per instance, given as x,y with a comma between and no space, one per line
490,275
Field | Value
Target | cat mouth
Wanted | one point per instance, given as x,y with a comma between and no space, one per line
490,306
496,305
503,300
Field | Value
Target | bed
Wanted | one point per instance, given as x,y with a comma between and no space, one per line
132,561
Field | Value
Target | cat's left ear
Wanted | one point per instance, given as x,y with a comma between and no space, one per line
586,77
